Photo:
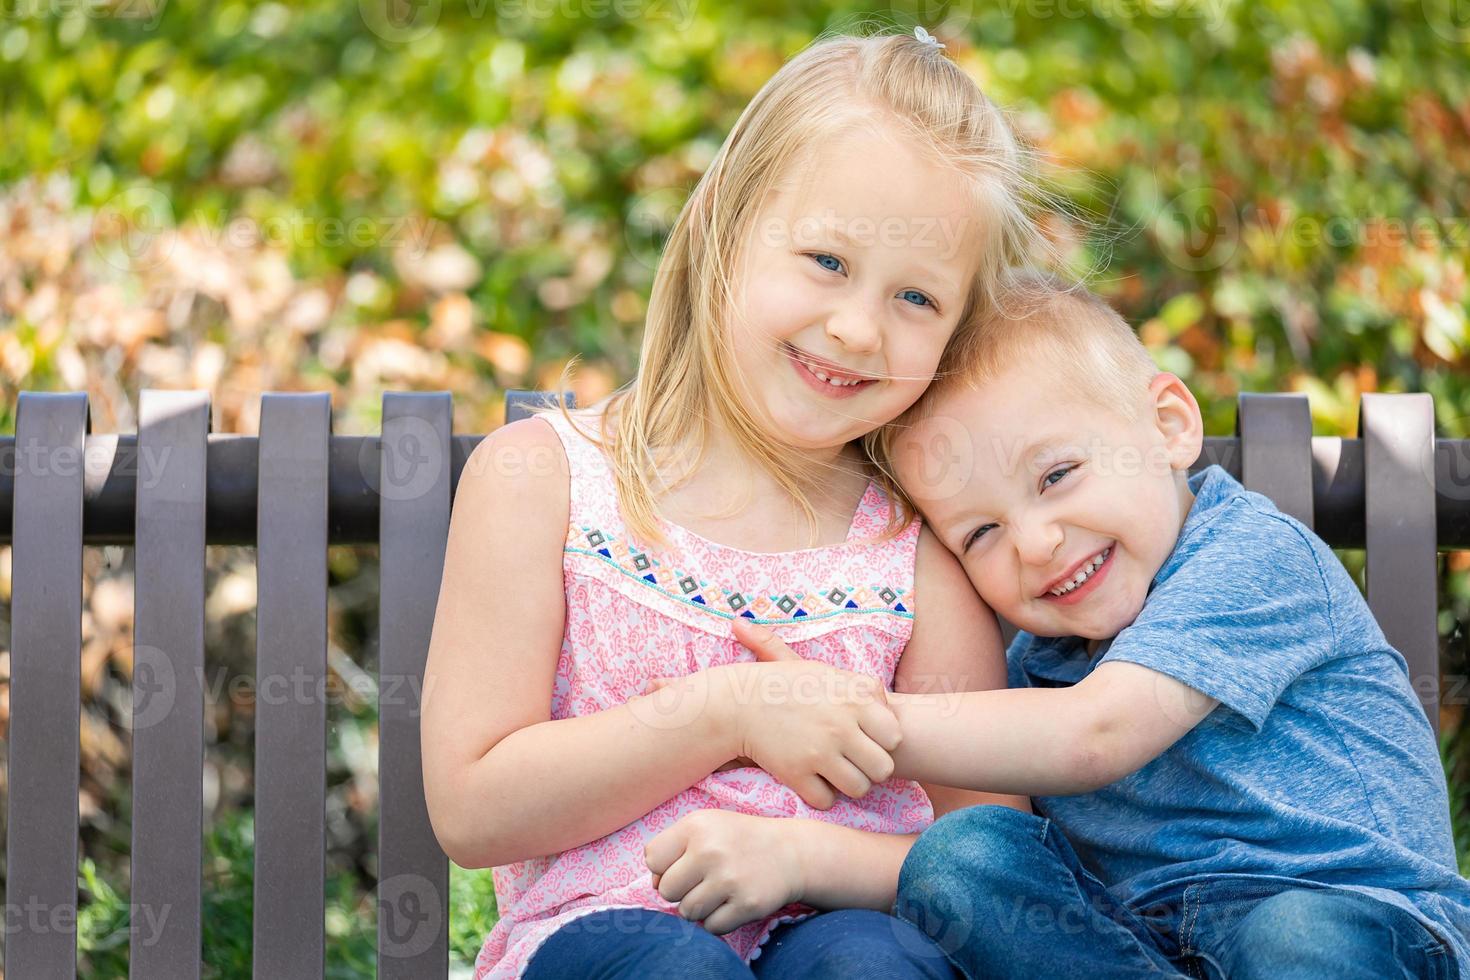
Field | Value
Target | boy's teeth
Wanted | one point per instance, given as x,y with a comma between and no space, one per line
1084,573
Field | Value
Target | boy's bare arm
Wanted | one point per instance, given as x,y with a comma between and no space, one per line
1046,741
1032,741
955,646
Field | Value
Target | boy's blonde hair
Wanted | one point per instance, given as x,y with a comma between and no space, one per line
1037,318
835,84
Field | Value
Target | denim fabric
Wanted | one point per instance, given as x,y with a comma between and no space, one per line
851,943
1003,894
633,944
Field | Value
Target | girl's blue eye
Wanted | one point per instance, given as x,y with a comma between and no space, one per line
836,266
1047,480
975,536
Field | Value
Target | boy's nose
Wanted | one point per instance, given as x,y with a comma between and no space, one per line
1037,542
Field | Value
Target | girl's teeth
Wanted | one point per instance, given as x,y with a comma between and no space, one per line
1084,574
833,381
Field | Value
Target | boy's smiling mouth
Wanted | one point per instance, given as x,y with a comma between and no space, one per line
1082,580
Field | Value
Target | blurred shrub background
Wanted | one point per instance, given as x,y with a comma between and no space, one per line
419,194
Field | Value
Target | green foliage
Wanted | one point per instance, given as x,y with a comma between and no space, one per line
316,194
229,895
472,912
1452,750
104,915
102,925
1287,181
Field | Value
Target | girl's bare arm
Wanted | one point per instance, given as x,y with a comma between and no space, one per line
503,782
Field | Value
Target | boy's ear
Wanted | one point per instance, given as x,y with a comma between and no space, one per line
1178,418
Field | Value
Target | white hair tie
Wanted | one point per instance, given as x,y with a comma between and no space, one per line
926,37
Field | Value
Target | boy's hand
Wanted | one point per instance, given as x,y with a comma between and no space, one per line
726,869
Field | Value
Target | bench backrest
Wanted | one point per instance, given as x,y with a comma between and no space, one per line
295,488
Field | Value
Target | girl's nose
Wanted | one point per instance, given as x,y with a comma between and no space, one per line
855,328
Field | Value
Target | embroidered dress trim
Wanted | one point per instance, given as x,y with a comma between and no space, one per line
822,600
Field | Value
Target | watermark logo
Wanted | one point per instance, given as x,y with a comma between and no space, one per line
410,914
1199,230
146,12
680,13
126,230
672,703
932,909
948,16
1180,703
1450,19
38,459
1445,463
936,459
34,917
154,686
400,21
406,464
953,16
939,235
651,217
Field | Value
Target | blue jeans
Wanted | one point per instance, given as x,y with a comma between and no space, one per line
632,944
1003,894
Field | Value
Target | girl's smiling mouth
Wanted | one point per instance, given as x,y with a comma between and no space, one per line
824,376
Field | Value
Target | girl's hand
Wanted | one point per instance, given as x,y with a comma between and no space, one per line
741,762
817,729
726,869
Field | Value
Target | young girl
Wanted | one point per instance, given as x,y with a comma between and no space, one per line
864,206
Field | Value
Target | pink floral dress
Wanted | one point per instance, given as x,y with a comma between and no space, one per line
631,617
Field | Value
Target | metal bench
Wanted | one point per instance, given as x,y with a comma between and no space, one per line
174,487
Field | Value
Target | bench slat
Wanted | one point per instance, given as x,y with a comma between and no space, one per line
519,403
109,492
413,873
1276,450
1402,566
45,686
291,666
168,691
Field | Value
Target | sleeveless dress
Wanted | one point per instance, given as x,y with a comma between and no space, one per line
631,617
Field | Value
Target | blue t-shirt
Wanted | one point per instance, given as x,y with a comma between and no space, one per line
1318,765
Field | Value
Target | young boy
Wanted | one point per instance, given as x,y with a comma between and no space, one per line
1233,776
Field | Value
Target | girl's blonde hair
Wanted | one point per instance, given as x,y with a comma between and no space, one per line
836,83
